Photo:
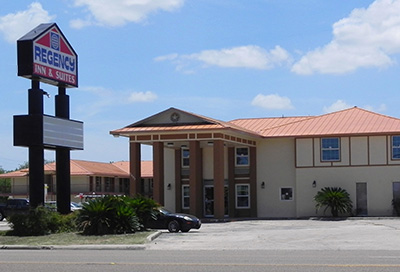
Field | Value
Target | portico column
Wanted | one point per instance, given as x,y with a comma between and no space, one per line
135,169
219,179
253,181
195,179
158,172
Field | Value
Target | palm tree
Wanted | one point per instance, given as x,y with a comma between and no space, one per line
335,198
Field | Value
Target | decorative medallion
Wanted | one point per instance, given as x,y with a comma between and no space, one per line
175,117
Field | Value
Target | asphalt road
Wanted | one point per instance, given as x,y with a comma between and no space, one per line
199,260
277,245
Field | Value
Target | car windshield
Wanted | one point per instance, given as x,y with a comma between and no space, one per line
164,211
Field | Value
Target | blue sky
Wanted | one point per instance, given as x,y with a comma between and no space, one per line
225,59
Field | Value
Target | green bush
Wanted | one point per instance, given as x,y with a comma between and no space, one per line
334,198
41,221
108,215
144,208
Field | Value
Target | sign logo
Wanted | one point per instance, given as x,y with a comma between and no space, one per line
55,41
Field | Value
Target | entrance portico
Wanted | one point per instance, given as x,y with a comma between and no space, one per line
201,166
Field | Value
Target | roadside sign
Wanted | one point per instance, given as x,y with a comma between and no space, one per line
45,54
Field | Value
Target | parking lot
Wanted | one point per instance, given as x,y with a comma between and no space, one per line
350,234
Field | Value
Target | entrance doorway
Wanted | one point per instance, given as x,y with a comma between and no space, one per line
209,200
361,199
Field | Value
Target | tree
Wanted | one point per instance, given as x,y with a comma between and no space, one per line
334,198
5,183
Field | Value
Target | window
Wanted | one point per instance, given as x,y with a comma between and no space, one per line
124,186
287,194
109,184
242,196
185,157
185,197
395,147
242,156
98,184
330,149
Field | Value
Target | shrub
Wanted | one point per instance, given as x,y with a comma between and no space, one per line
108,215
396,205
144,208
334,198
41,221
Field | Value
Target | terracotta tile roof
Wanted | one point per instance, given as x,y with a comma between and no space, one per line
14,174
146,167
257,125
346,122
89,168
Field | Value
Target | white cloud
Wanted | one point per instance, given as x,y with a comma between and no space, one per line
272,102
120,12
250,56
366,38
337,106
101,99
142,97
14,25
380,108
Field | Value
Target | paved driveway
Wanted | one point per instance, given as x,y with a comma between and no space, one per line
351,234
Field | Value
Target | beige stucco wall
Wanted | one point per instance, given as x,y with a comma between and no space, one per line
275,167
359,150
80,184
379,181
208,162
378,153
20,186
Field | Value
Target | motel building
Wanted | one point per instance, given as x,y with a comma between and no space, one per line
267,167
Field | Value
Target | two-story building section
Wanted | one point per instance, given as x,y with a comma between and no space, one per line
268,167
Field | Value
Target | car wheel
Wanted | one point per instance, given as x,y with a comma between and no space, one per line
1,216
173,226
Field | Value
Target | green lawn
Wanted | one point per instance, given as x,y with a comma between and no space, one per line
75,239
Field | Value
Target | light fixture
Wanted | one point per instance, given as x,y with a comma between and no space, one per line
169,186
170,144
314,184
210,143
262,185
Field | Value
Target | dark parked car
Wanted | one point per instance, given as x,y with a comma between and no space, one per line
13,206
174,222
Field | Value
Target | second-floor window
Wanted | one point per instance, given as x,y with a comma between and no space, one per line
242,156
395,147
330,149
185,157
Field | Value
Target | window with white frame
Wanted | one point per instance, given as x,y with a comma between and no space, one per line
185,197
242,196
185,157
242,156
286,193
330,149
395,147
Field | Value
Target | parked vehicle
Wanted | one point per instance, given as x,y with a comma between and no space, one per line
174,222
13,206
52,205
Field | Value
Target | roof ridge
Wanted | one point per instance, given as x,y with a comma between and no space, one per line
264,118
75,162
290,123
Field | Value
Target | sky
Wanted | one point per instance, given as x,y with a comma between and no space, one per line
225,59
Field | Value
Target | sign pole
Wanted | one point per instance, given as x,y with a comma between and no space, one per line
36,152
63,168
